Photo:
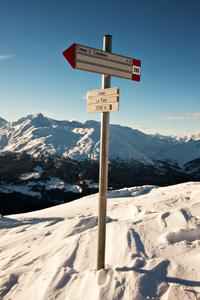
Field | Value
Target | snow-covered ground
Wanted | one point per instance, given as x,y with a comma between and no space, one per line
36,174
152,248
53,183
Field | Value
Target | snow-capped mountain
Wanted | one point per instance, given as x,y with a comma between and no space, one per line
37,134
39,155
182,153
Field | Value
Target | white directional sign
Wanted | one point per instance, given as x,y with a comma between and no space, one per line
103,92
102,62
103,100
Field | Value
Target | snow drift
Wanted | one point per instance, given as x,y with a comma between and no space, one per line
152,248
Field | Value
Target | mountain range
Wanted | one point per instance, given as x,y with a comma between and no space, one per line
59,160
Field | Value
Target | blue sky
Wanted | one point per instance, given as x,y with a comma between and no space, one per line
164,35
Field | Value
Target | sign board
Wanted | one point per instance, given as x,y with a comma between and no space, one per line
103,107
103,92
103,100
102,62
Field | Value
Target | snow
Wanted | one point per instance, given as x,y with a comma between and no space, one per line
183,153
20,188
29,175
152,248
92,185
57,183
53,183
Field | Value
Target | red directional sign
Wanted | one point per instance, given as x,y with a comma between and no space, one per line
102,62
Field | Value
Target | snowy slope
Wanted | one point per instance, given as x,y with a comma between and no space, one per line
183,152
152,248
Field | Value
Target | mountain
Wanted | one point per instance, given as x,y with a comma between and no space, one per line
47,161
182,153
37,134
152,248
2,122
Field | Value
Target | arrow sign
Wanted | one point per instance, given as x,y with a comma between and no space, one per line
102,62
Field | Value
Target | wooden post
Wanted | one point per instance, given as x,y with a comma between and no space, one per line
103,168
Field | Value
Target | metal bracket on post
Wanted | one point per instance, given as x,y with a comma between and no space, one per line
103,168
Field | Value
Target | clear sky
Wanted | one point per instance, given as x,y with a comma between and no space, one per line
164,35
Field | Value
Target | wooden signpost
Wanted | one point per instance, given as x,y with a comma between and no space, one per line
104,101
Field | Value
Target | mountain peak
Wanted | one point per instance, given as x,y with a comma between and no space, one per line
196,137
39,120
3,122
38,115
